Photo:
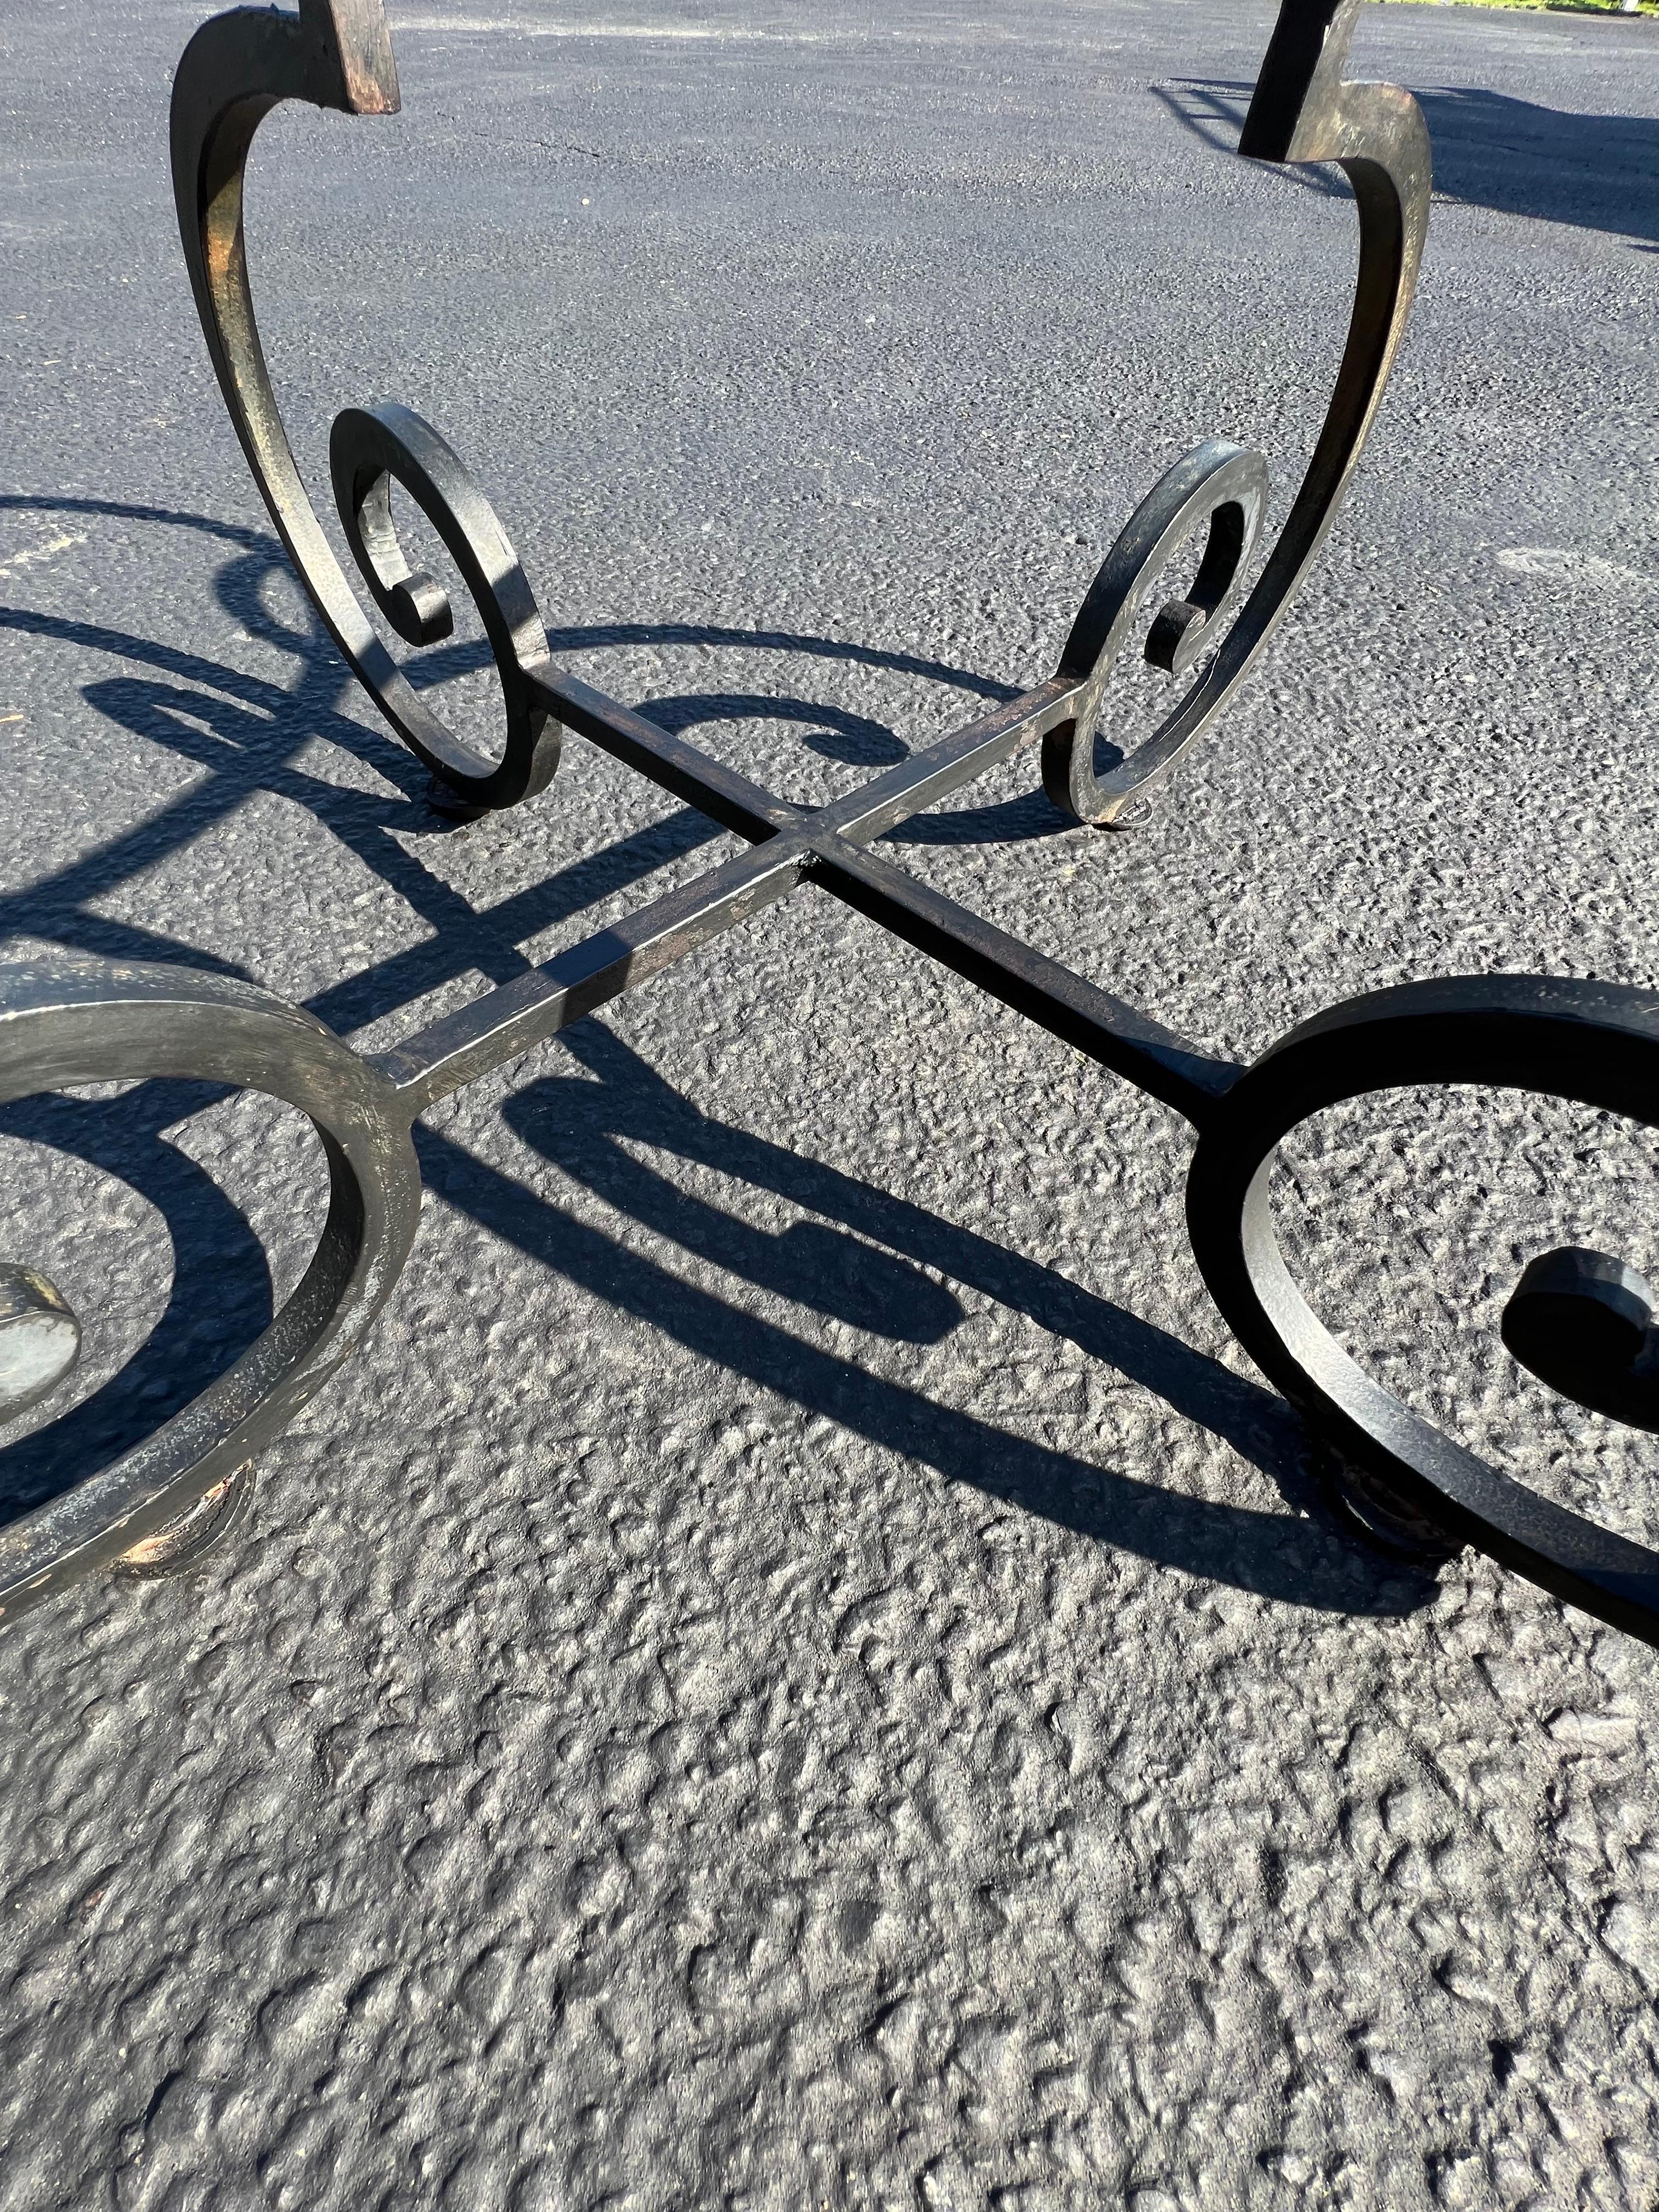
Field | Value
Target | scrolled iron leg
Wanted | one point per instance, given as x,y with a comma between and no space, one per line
1579,1320
1304,110
70,1020
40,1348
338,54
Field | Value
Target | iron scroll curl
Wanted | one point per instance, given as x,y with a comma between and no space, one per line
1220,484
367,448
338,54
1595,1044
1304,110
71,1019
333,54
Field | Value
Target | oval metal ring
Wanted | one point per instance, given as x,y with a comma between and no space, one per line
368,448
73,1020
1219,482
1601,1042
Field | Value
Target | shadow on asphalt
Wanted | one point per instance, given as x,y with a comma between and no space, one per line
1600,172
871,1261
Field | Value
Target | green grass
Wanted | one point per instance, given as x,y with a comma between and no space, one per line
1555,7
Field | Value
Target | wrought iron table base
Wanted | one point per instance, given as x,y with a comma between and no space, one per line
1580,1321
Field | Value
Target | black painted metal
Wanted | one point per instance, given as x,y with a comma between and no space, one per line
1594,1043
1583,1321
74,1020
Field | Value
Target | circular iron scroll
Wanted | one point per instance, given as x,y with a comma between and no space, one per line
72,1020
369,447
1597,1045
1218,482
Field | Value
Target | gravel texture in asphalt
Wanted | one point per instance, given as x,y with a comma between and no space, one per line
799,1666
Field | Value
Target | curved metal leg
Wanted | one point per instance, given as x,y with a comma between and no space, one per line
1302,111
1594,1043
73,1020
338,54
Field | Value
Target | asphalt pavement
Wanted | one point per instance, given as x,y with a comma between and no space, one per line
800,1666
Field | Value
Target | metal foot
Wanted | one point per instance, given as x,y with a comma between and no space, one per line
1134,816
201,1529
448,803
1383,1519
